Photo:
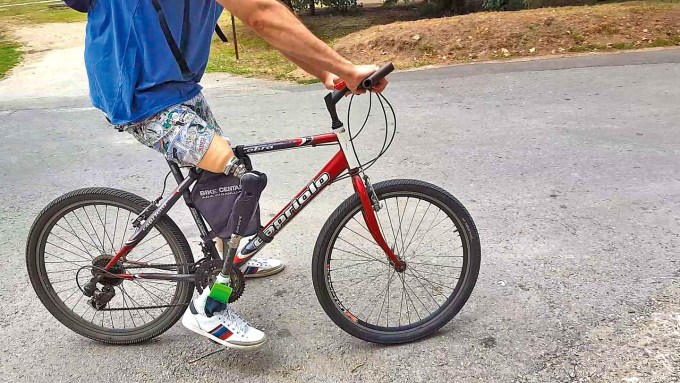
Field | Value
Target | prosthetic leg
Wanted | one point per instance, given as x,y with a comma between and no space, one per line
252,185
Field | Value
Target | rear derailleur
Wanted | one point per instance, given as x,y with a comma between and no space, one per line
100,298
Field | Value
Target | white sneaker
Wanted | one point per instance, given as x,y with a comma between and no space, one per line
256,268
225,327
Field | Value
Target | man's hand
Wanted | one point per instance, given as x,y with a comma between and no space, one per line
330,80
359,74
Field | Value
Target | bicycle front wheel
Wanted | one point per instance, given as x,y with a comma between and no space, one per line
360,290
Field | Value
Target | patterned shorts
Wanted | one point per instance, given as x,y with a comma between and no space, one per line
181,132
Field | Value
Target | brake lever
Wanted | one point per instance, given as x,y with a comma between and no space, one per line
340,85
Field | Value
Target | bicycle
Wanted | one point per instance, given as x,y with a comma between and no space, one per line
129,291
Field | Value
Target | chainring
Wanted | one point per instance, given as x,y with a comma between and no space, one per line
208,269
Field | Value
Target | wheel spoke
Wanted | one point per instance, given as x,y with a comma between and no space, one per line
431,282
101,241
369,240
64,260
387,208
115,229
105,235
422,236
399,216
127,223
146,255
88,233
417,227
73,232
362,250
83,249
359,263
70,252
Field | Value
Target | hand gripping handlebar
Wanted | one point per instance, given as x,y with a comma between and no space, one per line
334,97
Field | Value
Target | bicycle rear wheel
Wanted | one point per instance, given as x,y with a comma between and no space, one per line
364,295
76,235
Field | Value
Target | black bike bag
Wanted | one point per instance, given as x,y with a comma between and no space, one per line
214,195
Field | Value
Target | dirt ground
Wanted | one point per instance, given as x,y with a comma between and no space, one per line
53,62
522,34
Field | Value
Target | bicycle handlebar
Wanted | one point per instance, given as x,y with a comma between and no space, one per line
367,84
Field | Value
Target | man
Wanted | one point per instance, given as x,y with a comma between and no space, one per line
149,88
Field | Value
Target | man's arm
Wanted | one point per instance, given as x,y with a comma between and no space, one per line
327,78
284,31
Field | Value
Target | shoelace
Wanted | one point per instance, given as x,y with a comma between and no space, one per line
229,316
257,263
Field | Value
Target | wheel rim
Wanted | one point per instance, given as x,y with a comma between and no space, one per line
366,288
83,231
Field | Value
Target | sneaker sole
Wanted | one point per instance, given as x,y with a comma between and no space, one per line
266,273
197,330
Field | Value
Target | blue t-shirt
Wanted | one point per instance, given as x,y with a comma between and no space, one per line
132,72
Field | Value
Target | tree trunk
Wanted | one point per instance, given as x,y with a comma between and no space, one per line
312,7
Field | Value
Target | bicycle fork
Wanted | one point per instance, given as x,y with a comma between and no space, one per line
369,206
369,200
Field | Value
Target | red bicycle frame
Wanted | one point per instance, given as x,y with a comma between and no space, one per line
337,165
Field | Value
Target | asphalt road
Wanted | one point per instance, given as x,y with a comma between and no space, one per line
570,168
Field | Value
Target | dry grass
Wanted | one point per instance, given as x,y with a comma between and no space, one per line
258,59
504,35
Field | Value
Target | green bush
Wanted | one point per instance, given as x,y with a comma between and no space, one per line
504,5
334,5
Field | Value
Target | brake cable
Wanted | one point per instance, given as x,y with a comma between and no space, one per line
386,142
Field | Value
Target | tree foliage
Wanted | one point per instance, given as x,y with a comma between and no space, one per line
334,5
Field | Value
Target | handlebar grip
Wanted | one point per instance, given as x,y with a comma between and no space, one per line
367,84
377,76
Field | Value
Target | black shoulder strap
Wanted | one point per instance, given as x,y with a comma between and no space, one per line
176,52
221,34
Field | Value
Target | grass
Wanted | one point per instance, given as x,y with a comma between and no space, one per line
10,55
258,59
38,13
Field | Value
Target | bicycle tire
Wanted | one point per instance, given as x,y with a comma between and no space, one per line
46,293
453,305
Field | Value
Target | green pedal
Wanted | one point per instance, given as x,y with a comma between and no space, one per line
220,292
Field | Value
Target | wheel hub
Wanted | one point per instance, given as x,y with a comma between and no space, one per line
105,277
